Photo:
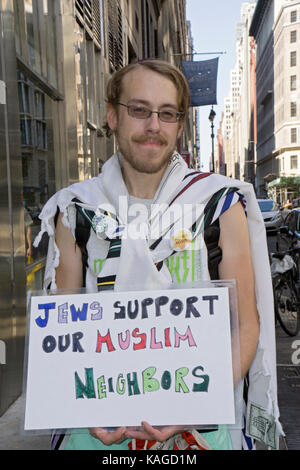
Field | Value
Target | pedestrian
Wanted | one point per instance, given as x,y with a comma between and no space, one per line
147,103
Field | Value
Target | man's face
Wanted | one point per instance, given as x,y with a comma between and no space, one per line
146,144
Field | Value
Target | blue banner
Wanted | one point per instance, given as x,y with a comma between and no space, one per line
202,79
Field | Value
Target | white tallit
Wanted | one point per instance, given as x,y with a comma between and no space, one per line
107,188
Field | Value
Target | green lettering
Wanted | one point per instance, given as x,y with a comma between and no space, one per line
120,390
88,389
185,258
150,384
98,269
172,269
179,382
203,386
166,380
133,387
101,387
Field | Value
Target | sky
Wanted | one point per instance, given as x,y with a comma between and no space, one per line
213,26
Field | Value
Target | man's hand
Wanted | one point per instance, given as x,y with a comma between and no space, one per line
114,437
154,434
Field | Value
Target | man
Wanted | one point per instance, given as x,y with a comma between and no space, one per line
147,104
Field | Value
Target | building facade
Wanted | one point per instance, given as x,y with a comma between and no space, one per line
237,130
276,28
56,57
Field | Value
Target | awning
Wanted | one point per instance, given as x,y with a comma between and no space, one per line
285,182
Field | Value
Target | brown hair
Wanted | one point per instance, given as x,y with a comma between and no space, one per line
114,86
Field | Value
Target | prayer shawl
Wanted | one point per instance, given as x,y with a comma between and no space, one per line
142,263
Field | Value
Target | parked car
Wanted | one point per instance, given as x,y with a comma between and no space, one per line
272,215
289,233
296,202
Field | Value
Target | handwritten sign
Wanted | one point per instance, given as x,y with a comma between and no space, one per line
117,358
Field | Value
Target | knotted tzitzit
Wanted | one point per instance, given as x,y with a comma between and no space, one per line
185,440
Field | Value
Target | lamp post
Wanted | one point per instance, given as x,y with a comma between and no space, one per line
211,117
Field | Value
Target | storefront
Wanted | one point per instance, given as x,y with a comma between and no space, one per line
283,189
30,113
52,83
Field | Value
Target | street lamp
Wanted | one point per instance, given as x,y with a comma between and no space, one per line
211,117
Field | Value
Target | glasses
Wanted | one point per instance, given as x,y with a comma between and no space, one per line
142,112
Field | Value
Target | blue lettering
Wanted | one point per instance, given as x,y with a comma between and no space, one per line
42,322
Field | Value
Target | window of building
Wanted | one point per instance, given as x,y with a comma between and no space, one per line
40,120
88,101
293,135
90,80
293,37
17,26
293,59
97,10
294,162
293,16
84,8
115,35
293,82
50,36
36,37
32,114
38,168
32,36
91,15
293,109
26,111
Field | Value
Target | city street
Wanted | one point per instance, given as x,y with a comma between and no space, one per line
288,378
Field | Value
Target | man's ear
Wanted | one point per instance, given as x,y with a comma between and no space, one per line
180,129
111,116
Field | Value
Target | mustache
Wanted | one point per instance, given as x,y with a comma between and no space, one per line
150,138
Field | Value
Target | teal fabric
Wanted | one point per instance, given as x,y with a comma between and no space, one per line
80,439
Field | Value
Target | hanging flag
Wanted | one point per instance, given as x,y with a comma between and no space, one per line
202,79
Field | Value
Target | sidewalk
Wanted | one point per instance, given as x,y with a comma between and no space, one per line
288,378
12,438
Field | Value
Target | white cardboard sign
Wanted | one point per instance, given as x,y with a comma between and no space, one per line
118,358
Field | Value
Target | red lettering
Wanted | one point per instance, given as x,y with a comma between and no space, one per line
167,337
142,344
104,339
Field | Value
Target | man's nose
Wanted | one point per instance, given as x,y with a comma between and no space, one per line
153,123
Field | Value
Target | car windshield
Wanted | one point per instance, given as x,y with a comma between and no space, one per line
267,205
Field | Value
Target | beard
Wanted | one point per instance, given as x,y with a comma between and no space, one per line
146,165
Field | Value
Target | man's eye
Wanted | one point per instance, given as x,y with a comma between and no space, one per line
140,110
168,114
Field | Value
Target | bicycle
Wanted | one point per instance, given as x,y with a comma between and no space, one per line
285,276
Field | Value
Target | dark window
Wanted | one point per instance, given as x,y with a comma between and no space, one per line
115,34
293,37
294,135
293,59
91,14
293,16
294,162
293,82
